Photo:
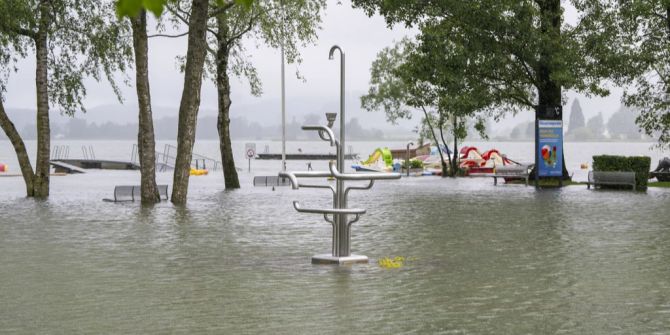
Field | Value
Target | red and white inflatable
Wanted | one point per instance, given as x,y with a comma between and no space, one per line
474,162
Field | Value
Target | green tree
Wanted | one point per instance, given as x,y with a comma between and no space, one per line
576,117
404,79
146,142
71,40
645,25
277,23
521,50
190,99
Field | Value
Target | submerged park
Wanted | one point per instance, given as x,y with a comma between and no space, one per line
490,202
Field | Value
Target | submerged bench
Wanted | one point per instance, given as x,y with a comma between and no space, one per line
611,178
133,192
271,181
511,172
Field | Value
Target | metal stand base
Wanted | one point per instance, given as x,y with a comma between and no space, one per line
330,259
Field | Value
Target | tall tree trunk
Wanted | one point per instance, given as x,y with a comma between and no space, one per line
452,173
146,144
454,162
223,122
190,99
549,92
41,179
432,132
20,148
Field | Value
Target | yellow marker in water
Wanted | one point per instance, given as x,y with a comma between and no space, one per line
391,263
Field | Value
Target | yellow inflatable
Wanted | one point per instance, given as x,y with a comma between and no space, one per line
198,172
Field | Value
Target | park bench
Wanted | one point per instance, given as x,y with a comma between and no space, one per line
271,181
508,172
132,192
611,178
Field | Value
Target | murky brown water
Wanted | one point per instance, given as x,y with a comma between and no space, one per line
505,259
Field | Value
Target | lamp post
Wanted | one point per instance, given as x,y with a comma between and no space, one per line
407,161
283,101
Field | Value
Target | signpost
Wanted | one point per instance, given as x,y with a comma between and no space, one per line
250,150
548,143
550,148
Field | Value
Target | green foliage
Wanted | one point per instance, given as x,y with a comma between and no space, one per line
638,164
131,8
507,47
413,164
401,82
643,26
292,24
86,40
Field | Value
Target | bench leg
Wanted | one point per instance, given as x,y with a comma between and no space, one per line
495,181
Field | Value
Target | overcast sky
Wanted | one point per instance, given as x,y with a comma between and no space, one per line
360,37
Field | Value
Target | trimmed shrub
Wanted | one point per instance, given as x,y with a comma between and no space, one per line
413,164
638,164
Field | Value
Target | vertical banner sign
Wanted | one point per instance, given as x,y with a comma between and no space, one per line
550,154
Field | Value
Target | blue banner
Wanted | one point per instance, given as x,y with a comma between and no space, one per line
550,154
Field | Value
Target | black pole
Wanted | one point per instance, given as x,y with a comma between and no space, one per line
537,148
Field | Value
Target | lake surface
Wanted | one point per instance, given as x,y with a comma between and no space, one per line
484,259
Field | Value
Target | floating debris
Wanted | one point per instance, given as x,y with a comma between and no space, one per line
392,263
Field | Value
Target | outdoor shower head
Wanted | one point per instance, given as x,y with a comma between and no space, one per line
332,51
331,119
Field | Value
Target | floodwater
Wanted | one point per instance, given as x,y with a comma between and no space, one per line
504,259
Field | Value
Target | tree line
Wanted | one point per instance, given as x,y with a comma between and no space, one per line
72,40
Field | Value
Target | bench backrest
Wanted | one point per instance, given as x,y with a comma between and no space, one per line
133,192
271,181
512,169
626,177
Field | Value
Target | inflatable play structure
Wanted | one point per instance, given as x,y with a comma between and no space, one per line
3,167
473,162
380,160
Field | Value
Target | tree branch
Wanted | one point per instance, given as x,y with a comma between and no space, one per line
167,35
221,10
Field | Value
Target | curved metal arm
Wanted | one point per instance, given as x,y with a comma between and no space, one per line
291,177
317,186
360,176
297,207
325,217
354,220
369,186
323,130
312,174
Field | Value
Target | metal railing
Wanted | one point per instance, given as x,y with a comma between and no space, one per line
60,152
168,159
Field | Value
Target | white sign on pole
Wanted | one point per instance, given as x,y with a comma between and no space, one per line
250,149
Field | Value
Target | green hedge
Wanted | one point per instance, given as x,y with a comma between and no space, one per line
638,164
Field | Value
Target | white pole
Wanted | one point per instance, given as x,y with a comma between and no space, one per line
283,107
